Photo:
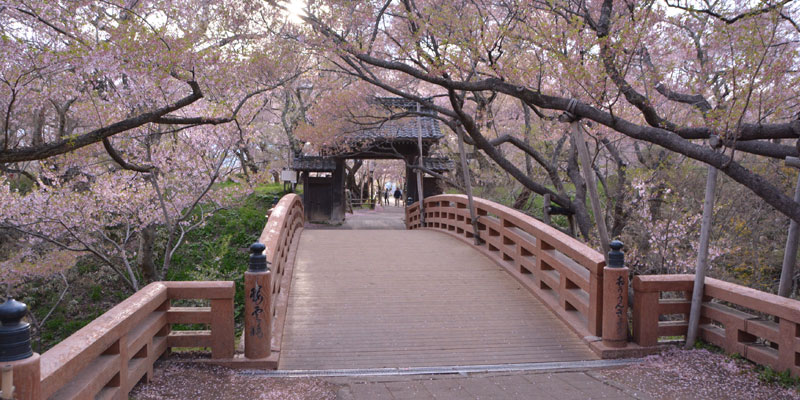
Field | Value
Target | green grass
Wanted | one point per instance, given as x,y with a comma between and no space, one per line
784,379
219,250
702,345
86,300
216,251
96,293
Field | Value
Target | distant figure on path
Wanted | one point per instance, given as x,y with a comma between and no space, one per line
386,197
397,195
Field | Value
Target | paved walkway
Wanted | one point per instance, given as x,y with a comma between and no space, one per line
397,298
388,217
184,381
545,386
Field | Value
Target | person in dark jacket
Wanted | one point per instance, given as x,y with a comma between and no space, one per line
397,195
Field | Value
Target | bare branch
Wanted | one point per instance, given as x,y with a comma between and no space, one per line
735,18
65,145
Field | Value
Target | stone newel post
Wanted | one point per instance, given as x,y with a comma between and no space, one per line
16,353
257,305
615,298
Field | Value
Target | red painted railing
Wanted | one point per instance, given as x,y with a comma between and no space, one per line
281,236
564,273
762,327
107,357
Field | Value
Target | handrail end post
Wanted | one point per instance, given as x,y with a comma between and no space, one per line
258,305
615,298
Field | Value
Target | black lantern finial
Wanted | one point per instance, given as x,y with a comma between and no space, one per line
15,335
616,258
258,260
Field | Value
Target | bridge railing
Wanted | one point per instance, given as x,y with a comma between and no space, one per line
107,357
280,237
762,327
564,273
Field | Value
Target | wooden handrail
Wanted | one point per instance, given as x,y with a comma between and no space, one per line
759,326
564,273
281,236
107,357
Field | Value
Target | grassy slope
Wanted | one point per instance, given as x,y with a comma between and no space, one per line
217,251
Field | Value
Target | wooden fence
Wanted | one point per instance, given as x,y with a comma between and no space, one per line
759,326
564,273
109,356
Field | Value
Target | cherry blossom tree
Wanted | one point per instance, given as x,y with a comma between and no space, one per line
671,74
125,116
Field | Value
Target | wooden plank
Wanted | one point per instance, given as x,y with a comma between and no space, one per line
137,368
90,380
673,306
200,289
370,299
672,328
141,334
108,393
663,283
189,315
189,339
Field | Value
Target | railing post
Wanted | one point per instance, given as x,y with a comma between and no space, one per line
615,298
645,317
257,305
595,317
15,352
222,329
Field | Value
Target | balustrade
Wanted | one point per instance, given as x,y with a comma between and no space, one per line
761,327
564,273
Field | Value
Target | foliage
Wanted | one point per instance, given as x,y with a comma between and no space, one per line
666,74
219,250
784,379
120,117
93,290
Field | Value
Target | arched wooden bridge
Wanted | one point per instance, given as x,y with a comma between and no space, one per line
422,295
376,298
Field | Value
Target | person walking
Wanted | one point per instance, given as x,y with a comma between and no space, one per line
386,197
397,195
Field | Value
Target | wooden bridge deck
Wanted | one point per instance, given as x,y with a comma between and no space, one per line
396,298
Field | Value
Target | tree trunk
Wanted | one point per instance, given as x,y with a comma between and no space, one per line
350,181
790,253
144,258
38,129
468,187
579,203
588,176
247,159
619,214
702,257
521,201
420,186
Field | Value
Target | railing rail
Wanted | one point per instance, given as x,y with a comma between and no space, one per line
281,237
107,357
762,327
564,273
